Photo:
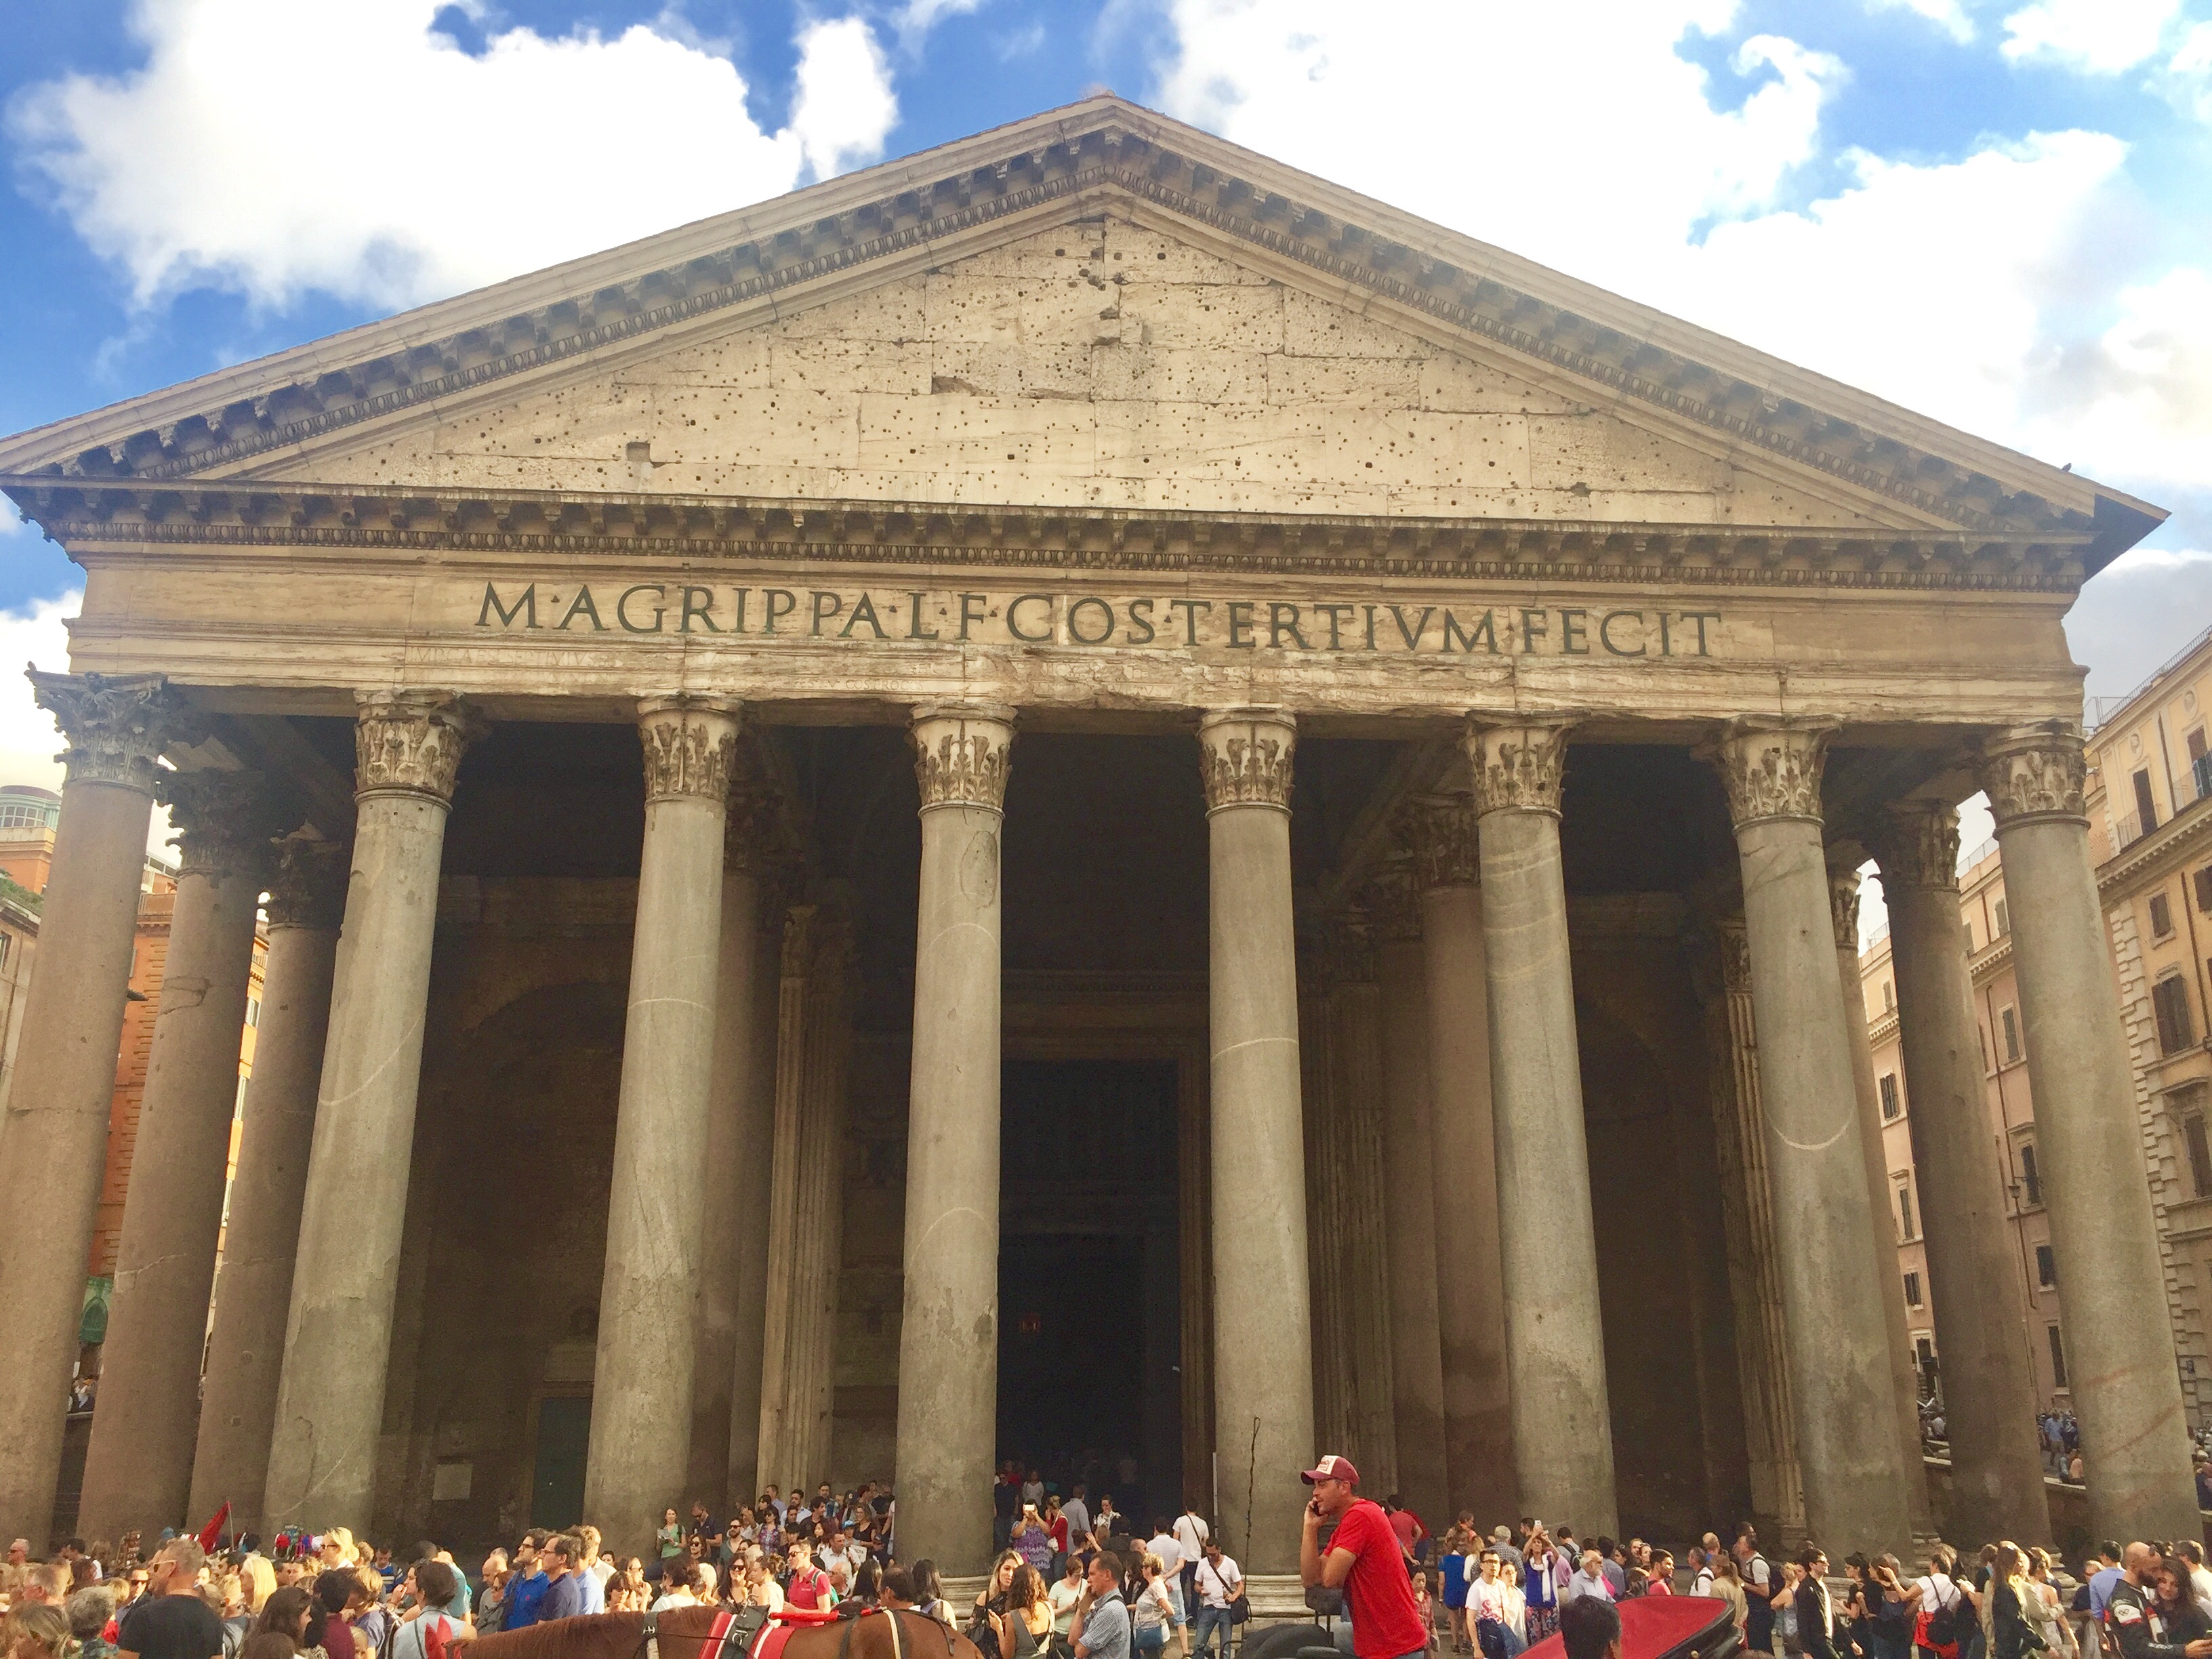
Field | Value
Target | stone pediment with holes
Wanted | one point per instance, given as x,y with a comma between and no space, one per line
1099,362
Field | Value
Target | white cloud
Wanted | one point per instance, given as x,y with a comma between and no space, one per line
1949,16
274,148
2096,37
1440,108
2188,75
28,738
844,104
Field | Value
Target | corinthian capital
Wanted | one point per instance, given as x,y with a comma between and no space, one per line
308,889
224,821
1518,765
2035,773
690,745
1844,904
1392,900
1244,757
114,728
1770,764
409,742
1442,831
961,755
1917,845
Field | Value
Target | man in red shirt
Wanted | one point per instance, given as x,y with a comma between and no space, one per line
1364,1560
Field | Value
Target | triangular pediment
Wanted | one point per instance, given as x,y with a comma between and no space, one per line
1436,348
1102,362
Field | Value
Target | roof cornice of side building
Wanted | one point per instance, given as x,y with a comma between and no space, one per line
2173,843
1087,154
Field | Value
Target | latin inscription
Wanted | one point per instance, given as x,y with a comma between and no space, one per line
873,616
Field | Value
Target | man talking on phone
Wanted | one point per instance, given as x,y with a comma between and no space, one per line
1363,1560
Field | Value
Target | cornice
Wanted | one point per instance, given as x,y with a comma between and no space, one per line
1995,957
82,513
2172,841
765,258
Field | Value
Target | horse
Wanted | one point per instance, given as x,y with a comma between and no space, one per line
689,1633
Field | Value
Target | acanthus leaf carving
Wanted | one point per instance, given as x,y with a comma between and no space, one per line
410,742
1392,900
1518,766
1443,832
1771,765
1245,757
2036,773
962,756
1917,845
225,821
1843,905
115,727
307,889
690,745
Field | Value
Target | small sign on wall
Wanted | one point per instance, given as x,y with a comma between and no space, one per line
452,1481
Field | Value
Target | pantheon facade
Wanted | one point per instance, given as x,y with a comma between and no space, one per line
1076,797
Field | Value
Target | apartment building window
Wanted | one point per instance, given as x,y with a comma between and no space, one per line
2057,1358
2161,917
2008,1022
1887,1085
1912,1290
2203,879
1904,1211
2200,1153
2004,918
253,1010
1888,997
2031,1177
1982,1042
2169,1001
2046,1267
2146,808
7,943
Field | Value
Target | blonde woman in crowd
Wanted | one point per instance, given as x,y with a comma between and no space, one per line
259,1580
39,1631
1728,1584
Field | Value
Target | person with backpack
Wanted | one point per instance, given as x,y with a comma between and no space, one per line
1939,1623
1757,1576
808,1586
1220,1582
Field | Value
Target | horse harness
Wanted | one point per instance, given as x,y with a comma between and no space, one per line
754,1633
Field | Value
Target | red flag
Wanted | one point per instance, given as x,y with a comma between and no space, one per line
213,1531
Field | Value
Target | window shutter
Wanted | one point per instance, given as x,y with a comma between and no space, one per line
2203,880
2161,916
2170,1002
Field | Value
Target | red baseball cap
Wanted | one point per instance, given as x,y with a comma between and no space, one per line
1331,1468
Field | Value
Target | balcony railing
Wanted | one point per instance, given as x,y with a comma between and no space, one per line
2195,785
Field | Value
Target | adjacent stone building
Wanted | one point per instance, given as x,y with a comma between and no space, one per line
1075,796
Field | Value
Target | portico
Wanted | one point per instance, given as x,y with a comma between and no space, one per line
1447,688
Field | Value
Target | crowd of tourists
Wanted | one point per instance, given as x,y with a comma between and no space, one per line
1074,1581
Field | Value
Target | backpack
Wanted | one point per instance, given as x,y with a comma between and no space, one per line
1943,1623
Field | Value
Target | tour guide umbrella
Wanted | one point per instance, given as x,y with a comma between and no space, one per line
1664,1627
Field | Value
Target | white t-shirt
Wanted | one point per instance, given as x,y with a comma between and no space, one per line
1486,1601
1703,1583
1190,1535
1217,1587
1936,1591
1169,1551
1078,1513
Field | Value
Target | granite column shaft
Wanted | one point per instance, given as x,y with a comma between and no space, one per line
949,1341
139,1468
338,1335
2119,1337
1838,1345
54,1136
253,1285
749,1333
1263,1362
646,1370
1562,1416
1981,1305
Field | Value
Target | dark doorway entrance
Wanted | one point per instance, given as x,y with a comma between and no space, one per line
565,1435
1090,1331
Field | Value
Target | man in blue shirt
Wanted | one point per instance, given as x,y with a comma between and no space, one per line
562,1560
525,1594
2107,1560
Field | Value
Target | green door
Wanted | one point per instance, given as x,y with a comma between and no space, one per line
564,1438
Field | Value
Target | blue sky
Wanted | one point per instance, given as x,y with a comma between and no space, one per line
1997,214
